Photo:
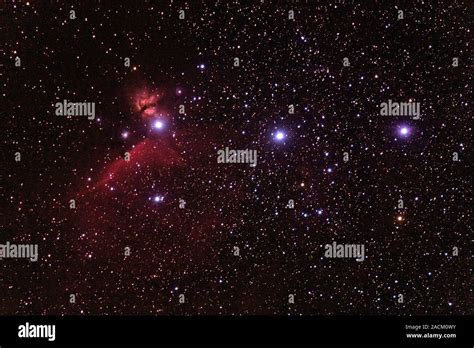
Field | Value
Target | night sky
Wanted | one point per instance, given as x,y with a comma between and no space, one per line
168,221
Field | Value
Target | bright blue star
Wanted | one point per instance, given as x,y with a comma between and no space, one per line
404,131
158,199
280,135
158,124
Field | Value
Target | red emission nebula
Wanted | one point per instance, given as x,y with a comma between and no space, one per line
247,161
136,205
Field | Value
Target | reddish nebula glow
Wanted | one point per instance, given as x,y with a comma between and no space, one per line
146,103
146,155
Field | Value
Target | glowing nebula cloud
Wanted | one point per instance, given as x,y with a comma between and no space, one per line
146,102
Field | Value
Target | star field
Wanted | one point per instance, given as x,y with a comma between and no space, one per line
158,226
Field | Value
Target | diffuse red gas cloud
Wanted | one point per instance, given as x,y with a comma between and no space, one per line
117,211
153,152
146,102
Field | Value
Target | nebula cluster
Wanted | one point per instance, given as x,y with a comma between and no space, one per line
134,212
